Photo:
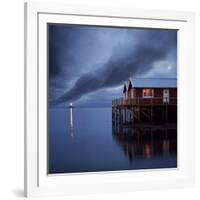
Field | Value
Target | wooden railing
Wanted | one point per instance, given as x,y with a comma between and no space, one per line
143,101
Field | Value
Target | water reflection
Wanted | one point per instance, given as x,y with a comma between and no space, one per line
146,142
71,132
71,120
71,115
93,144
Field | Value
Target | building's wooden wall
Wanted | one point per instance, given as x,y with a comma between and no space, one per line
158,92
138,92
173,92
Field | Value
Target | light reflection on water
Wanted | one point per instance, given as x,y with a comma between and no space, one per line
88,142
146,141
71,123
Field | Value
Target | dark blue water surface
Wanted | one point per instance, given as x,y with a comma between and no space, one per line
94,144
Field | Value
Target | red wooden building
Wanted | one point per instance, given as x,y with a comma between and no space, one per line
149,91
147,99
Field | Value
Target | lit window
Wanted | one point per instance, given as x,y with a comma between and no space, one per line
147,93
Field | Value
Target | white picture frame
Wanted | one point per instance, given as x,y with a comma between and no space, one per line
37,181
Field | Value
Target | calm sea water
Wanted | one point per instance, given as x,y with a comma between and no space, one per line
94,144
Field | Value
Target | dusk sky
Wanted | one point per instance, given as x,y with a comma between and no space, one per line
88,65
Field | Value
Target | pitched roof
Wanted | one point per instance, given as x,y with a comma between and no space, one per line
154,83
124,90
130,85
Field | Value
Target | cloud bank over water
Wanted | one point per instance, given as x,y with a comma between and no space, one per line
87,61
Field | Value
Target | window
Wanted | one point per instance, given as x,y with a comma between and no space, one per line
147,93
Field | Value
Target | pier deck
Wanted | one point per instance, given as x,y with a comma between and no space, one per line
127,111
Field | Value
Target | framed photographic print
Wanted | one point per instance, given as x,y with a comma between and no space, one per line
109,99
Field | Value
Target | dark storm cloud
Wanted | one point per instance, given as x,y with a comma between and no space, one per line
73,47
75,50
136,57
63,49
